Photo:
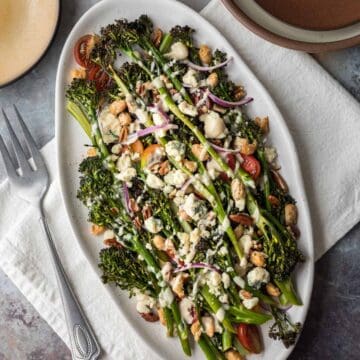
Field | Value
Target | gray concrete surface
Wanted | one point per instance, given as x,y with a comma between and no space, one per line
332,328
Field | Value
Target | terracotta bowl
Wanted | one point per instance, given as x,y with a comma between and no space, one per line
307,25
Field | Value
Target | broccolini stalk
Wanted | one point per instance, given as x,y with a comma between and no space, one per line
165,43
259,294
242,174
79,115
214,200
243,315
216,307
226,340
143,27
288,293
169,319
209,349
182,328
98,181
119,82
279,245
282,251
83,94
124,35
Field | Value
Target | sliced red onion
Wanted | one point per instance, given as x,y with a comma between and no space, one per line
222,149
127,198
227,104
187,183
204,98
196,266
151,129
158,109
155,128
207,68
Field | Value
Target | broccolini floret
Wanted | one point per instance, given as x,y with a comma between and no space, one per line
283,329
122,267
225,88
183,34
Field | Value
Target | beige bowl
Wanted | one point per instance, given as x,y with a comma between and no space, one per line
26,31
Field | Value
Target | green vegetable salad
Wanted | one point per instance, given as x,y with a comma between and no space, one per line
198,224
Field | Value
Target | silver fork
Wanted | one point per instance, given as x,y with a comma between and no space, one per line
31,185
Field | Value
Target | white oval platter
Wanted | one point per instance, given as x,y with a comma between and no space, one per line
70,151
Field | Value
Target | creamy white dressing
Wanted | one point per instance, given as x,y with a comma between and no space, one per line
186,310
239,281
166,297
225,224
157,82
220,314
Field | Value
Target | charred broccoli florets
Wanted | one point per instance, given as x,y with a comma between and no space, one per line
122,267
283,329
183,34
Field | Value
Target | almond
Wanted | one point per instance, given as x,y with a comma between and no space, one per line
242,219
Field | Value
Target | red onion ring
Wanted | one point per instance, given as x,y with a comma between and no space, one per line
221,149
127,198
134,136
207,68
164,115
187,183
227,104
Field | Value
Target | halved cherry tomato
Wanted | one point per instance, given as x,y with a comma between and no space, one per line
231,161
251,165
93,72
97,74
150,317
137,147
151,154
249,338
82,50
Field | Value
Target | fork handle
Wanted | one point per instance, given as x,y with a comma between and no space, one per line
84,345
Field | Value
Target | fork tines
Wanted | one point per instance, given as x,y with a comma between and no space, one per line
22,161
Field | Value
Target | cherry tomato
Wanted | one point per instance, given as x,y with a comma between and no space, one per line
151,154
93,72
249,338
82,50
150,317
231,161
251,165
101,78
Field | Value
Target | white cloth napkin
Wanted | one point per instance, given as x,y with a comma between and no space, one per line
325,123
